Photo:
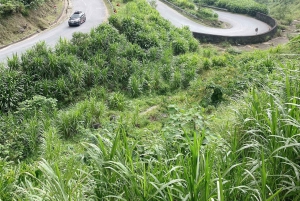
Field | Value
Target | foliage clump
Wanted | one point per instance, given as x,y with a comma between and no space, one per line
8,7
249,7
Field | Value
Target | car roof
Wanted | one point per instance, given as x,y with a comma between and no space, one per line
78,12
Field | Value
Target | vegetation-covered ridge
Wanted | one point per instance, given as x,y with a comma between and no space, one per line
28,20
249,7
137,110
12,6
284,11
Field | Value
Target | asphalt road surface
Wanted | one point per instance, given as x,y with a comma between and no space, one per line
96,13
241,25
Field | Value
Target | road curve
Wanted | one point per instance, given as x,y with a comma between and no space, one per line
96,13
241,25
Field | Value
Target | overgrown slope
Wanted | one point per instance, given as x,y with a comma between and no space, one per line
19,25
138,110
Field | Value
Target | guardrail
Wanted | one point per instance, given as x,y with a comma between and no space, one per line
259,38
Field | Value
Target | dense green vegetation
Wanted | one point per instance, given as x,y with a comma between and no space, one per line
137,110
249,7
201,14
284,11
144,66
11,6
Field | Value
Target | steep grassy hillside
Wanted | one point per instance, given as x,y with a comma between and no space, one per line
284,11
17,25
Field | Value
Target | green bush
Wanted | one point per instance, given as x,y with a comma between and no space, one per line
21,132
206,13
7,179
68,123
249,7
116,101
8,8
294,44
209,2
180,46
15,87
135,86
219,61
206,63
38,105
185,4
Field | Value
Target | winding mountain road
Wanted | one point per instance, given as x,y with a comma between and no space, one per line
96,13
241,25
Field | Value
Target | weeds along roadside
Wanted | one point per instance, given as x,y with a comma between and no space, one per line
164,163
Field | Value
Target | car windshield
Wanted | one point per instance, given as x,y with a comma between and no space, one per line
74,16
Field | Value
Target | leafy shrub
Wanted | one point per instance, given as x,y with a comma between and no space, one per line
249,7
206,13
68,123
185,4
180,46
193,45
294,44
207,52
15,87
206,63
38,105
7,179
188,64
13,142
209,2
147,40
135,86
8,7
21,132
166,71
116,101
14,62
218,61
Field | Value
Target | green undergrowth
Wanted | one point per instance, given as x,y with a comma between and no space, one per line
138,110
200,14
284,11
249,7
